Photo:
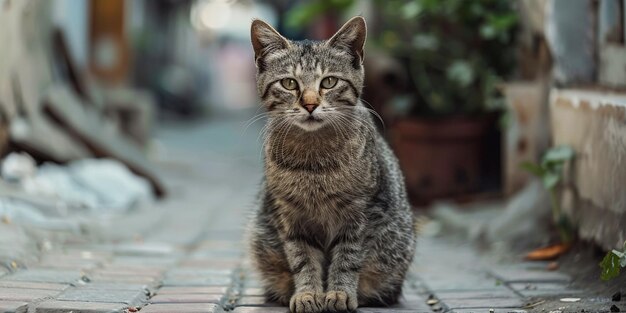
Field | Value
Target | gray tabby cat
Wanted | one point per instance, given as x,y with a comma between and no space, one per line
335,229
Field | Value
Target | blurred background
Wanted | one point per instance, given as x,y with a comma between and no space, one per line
508,117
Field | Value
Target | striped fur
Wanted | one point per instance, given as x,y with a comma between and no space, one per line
334,229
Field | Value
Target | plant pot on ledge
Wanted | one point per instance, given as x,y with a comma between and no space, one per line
443,157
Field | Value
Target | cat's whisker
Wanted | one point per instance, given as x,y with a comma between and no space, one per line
373,112
253,120
337,128
341,125
282,142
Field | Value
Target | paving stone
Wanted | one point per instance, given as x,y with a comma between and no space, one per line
480,294
186,298
46,275
115,286
17,294
484,303
124,276
515,274
191,290
74,260
543,289
32,285
445,278
214,244
138,280
392,310
185,271
146,261
414,302
248,309
76,252
487,310
198,281
210,263
147,249
254,301
143,270
54,306
451,283
182,308
13,306
83,266
128,272
253,292
141,249
128,297
221,254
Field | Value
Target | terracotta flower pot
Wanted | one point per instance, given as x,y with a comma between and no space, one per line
441,158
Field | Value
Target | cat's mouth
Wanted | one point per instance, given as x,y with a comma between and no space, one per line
311,123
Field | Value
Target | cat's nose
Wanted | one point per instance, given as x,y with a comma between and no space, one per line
310,107
310,100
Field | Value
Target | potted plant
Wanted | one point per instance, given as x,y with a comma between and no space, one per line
455,53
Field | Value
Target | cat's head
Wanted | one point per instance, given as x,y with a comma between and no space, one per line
311,84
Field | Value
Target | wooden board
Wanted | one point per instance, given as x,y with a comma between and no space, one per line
87,126
23,78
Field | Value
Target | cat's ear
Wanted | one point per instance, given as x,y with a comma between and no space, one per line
351,37
265,38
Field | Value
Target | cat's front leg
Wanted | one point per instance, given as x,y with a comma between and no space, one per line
306,265
343,273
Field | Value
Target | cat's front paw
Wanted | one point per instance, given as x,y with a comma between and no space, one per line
307,302
340,301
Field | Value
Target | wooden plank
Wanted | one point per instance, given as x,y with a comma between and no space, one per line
24,74
87,126
33,132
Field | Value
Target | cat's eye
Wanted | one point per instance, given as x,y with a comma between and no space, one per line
289,83
329,82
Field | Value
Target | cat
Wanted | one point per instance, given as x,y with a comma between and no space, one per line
334,229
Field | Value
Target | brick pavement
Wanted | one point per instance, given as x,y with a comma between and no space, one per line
186,254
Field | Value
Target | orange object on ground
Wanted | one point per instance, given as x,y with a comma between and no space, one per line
548,253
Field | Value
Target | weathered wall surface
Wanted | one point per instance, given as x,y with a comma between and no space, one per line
594,124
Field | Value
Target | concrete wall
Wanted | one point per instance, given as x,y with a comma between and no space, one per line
594,124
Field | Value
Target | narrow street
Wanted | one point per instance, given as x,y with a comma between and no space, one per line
187,253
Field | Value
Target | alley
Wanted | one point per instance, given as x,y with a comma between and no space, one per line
187,253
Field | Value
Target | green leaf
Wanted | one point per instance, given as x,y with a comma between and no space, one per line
550,180
487,32
533,168
460,72
610,266
621,256
558,154
411,10
301,14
